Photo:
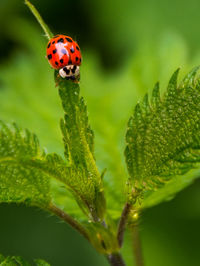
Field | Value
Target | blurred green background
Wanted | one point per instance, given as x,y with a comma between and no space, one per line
127,46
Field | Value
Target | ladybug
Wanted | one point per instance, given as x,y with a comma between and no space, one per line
63,53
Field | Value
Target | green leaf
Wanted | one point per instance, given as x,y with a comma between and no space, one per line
13,261
26,171
28,174
163,139
40,262
20,178
19,261
78,139
168,191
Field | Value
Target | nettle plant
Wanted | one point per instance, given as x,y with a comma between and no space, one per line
162,154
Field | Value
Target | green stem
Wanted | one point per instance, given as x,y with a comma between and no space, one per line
68,219
122,223
45,28
137,247
115,259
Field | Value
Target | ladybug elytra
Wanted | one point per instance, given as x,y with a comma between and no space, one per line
64,54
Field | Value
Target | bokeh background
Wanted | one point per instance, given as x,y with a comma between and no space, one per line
127,46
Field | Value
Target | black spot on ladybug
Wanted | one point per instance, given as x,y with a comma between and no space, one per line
49,45
74,69
67,71
80,59
56,63
53,42
72,50
55,51
70,62
64,51
61,61
49,56
68,39
77,48
77,58
60,40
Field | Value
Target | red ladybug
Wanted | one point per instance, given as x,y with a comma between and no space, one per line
63,53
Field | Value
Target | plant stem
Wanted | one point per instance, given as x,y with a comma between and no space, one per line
137,247
68,219
45,28
122,223
115,259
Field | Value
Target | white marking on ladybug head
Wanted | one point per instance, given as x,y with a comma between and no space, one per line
69,71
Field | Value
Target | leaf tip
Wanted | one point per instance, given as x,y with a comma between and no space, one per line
174,77
189,79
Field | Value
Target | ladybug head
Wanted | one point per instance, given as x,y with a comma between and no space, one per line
70,72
